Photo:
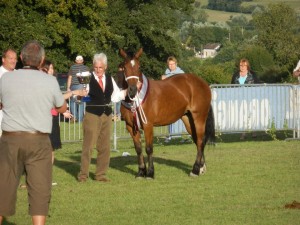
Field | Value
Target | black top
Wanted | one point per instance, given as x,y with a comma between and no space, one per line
251,78
99,99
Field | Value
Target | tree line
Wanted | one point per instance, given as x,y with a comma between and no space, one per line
70,27
162,28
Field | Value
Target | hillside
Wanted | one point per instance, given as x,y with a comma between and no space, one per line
221,16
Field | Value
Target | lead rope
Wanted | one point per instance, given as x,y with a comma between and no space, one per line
136,102
142,113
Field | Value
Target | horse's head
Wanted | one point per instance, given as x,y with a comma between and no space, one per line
132,71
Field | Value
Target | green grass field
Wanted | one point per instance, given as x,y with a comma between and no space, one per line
246,182
220,16
295,4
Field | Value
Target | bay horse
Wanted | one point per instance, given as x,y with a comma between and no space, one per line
162,102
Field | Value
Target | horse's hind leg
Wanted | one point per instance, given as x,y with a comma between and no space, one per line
198,138
142,170
199,165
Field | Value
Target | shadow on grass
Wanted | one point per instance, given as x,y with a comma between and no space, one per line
259,136
71,168
119,163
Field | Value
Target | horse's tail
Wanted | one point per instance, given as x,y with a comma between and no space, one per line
210,134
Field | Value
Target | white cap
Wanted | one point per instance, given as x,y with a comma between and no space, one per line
79,58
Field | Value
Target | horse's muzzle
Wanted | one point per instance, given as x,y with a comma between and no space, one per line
132,90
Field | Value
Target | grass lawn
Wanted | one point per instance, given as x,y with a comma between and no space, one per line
247,182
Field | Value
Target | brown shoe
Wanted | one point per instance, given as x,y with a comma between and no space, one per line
103,179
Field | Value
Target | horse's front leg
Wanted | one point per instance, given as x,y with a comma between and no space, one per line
136,137
149,150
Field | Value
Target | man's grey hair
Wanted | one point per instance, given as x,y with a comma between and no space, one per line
33,54
100,57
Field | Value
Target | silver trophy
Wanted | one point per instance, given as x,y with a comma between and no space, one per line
84,78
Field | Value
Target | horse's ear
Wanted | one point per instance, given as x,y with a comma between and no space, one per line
123,53
139,53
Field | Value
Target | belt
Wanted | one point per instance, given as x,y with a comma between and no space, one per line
37,133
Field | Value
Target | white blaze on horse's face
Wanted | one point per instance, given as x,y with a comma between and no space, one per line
132,62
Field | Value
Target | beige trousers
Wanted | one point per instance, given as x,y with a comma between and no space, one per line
96,131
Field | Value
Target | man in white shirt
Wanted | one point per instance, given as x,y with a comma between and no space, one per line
9,61
98,118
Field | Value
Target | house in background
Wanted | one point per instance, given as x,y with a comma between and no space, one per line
210,50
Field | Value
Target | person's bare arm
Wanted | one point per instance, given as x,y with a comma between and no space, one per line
79,92
63,108
69,82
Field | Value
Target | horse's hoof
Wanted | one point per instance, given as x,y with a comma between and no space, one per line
141,173
149,178
201,172
150,173
139,177
202,169
193,175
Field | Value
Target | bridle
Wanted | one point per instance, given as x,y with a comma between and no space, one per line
132,77
132,62
128,78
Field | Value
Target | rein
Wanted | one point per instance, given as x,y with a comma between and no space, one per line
136,102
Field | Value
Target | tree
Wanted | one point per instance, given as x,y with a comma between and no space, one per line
70,27
201,34
227,53
225,5
212,73
276,27
65,28
152,25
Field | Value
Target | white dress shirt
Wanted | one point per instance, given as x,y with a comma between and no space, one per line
117,94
